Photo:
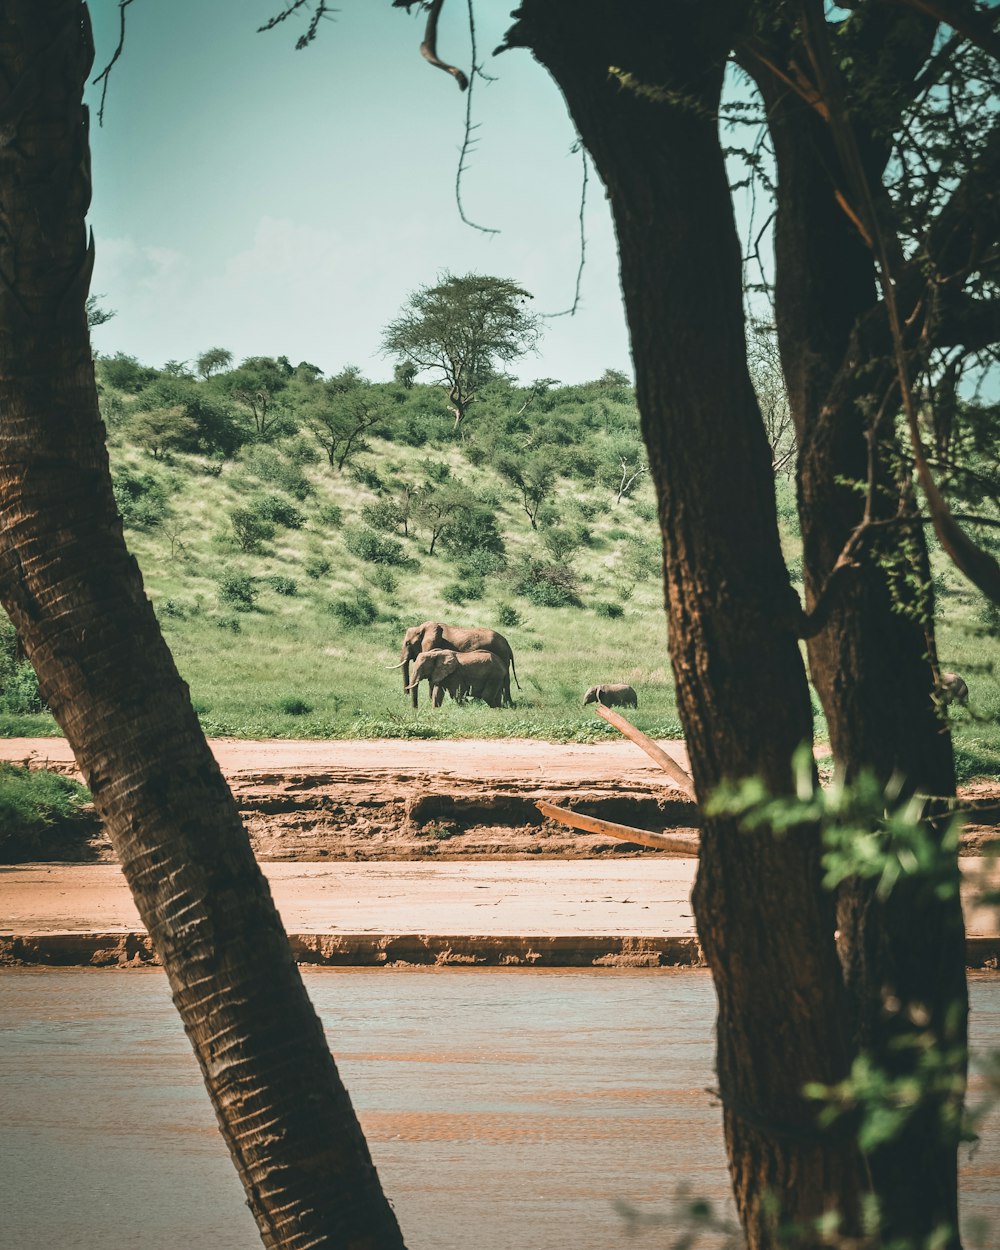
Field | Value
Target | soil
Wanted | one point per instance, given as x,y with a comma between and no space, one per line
442,800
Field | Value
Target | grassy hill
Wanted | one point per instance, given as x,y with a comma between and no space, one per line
283,583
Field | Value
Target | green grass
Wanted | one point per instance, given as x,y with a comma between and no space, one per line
288,665
32,803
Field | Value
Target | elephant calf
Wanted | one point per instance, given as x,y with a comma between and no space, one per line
480,674
954,688
612,694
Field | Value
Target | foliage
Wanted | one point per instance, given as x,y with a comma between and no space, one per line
141,499
215,360
610,610
460,329
268,465
279,511
282,585
507,615
124,373
32,802
545,584
19,693
238,590
355,611
375,548
250,529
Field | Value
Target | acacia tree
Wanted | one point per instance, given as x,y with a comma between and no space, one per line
76,598
459,330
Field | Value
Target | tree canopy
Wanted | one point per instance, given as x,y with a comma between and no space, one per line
460,329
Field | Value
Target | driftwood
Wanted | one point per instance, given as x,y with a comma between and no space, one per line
684,843
681,779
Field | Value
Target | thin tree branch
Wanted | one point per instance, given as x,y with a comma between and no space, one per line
105,75
969,21
467,140
678,775
571,311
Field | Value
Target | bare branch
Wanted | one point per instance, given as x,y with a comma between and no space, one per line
105,74
571,311
973,23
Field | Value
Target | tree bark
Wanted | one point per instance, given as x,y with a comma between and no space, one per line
871,663
76,598
765,924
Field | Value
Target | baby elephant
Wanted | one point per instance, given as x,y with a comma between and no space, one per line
954,688
611,694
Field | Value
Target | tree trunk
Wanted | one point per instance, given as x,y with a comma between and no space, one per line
765,924
870,663
77,600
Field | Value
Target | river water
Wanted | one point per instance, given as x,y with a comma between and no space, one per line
512,1108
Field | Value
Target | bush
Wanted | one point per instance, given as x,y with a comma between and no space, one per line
561,543
611,610
330,514
356,611
32,801
364,475
250,529
481,564
383,515
280,511
473,588
171,608
237,590
282,585
125,373
141,500
547,585
381,577
316,566
508,616
232,623
19,693
374,548
294,707
266,464
472,528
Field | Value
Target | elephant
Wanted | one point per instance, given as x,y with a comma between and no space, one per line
480,674
611,694
953,688
434,635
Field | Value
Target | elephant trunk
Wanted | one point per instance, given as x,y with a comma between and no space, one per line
407,688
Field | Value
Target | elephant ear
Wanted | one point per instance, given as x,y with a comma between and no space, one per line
434,638
447,663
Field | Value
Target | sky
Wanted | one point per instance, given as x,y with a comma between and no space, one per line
280,202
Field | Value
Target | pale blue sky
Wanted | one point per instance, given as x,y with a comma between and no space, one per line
271,201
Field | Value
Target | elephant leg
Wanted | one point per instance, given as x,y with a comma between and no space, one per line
437,696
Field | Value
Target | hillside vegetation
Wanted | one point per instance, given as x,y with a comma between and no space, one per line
290,526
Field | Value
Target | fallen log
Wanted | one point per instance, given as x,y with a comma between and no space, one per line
682,843
678,775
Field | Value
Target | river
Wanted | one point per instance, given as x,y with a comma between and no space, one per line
504,1109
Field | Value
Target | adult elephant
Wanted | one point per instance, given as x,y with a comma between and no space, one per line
480,674
436,636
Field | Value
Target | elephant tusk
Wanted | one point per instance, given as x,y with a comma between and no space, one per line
399,665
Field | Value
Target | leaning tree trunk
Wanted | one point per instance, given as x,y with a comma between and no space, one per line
765,924
76,598
903,957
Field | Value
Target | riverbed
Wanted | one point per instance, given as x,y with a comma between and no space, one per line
503,1108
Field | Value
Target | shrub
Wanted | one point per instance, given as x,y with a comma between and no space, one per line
250,529
472,588
232,623
482,564
316,566
279,511
141,500
547,585
237,590
381,577
365,475
124,373
436,471
294,707
470,528
561,543
282,585
19,693
171,608
266,464
356,611
611,610
31,802
374,548
382,515
330,514
507,615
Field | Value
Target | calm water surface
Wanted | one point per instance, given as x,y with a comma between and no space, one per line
503,1108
